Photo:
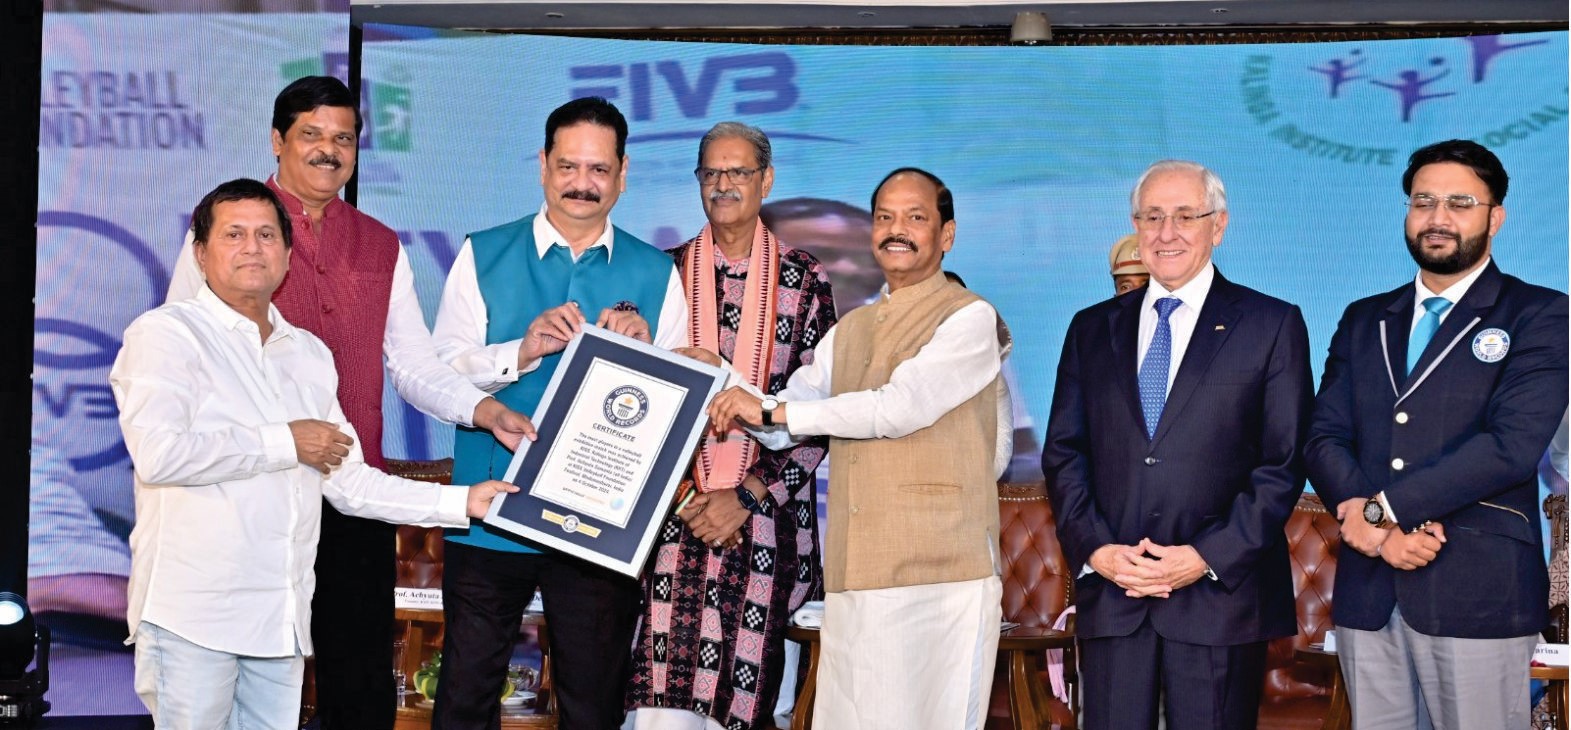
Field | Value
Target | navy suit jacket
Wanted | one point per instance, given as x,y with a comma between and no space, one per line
1468,434
1222,474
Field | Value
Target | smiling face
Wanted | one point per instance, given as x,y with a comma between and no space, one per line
1172,256
317,156
582,176
244,256
909,240
1445,241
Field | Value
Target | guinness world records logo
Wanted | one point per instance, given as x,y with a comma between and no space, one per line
626,406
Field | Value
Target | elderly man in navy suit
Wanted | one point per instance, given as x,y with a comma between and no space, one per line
1438,399
1172,459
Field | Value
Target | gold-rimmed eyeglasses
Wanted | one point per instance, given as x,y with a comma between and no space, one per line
1183,219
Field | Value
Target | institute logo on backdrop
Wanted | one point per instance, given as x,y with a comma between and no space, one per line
385,105
1363,104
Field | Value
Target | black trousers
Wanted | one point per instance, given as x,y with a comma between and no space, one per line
352,622
1204,687
590,617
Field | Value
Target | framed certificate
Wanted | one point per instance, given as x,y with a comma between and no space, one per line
617,427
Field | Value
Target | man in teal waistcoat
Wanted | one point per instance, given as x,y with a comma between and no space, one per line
515,296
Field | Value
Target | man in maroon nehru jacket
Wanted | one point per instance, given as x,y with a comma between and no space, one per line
350,284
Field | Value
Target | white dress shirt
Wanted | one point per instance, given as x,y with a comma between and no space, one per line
226,516
460,331
412,364
960,360
1453,293
1182,320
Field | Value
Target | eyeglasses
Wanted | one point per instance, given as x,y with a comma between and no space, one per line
738,175
1183,220
1424,203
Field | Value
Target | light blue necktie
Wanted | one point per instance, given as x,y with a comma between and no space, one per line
1154,369
1425,331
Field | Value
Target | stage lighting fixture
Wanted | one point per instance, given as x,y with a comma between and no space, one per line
21,640
1030,28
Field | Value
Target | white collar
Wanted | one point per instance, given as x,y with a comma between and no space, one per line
232,319
546,236
1193,294
1455,292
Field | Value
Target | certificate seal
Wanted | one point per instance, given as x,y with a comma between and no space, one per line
626,406
570,523
1491,345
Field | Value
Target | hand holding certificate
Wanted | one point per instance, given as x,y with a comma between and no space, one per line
616,425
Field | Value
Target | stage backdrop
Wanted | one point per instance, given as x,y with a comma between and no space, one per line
142,114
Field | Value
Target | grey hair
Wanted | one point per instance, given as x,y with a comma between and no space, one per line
753,135
1216,194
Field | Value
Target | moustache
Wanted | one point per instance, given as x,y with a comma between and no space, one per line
902,240
725,195
325,159
1457,238
588,196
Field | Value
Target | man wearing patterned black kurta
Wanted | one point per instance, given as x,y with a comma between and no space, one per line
742,555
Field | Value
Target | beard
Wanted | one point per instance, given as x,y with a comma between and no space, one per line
1467,252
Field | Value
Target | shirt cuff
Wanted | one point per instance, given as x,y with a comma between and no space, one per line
278,446
803,417
452,506
1386,505
505,366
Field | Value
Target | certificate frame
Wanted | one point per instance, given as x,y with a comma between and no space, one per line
542,514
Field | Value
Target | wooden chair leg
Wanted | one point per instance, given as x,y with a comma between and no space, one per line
1340,715
1027,697
802,714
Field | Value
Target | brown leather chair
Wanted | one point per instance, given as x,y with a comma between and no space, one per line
1298,695
1038,586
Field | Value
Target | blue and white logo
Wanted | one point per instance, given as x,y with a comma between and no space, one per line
1491,345
626,406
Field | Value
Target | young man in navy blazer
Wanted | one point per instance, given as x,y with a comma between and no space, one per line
1172,459
1439,397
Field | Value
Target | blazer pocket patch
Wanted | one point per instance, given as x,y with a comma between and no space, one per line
1497,520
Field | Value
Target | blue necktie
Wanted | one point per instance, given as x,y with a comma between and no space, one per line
1427,326
1154,369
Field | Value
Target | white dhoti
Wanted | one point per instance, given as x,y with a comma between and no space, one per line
909,658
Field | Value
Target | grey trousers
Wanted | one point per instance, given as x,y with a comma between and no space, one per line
1399,679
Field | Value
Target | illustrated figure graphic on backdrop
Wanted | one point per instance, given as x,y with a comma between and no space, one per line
907,390
352,286
233,422
730,568
1172,461
516,295
1438,399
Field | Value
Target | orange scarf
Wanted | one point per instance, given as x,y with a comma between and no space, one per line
723,464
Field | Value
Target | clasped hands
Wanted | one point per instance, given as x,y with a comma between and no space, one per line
717,517
1400,550
1148,570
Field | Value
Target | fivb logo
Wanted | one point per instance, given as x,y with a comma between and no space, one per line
384,107
760,83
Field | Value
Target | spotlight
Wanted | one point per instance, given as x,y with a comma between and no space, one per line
21,639
1030,29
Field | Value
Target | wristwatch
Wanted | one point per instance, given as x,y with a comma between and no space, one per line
770,404
1375,514
745,496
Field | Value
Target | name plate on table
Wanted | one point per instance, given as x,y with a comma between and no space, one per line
617,427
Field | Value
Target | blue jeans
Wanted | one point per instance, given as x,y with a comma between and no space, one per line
186,686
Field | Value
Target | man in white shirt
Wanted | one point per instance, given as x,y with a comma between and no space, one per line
516,295
1439,398
1172,463
907,388
232,420
353,287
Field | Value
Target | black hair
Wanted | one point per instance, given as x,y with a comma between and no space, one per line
307,93
1475,156
591,109
946,199
235,190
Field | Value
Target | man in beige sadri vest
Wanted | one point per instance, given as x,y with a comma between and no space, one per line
906,390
